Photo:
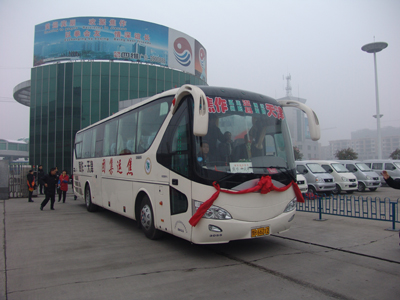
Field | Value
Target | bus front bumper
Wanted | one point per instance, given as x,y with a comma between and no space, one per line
207,230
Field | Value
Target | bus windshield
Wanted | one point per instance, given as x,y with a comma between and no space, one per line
248,138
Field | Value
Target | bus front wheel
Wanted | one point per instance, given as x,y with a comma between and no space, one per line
147,220
88,201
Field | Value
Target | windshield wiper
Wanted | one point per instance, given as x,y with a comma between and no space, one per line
285,170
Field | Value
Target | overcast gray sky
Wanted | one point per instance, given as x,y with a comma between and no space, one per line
250,45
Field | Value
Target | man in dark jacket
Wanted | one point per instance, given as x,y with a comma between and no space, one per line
390,181
50,183
40,179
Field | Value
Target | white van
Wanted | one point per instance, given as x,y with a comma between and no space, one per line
367,179
318,180
345,181
302,183
379,165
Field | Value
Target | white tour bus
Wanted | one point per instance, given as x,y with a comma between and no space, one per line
158,161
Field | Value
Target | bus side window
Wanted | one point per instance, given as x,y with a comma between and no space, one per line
174,150
179,149
127,133
99,141
110,138
78,145
87,143
78,150
93,146
150,119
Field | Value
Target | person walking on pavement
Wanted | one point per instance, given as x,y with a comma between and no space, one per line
63,185
50,183
40,179
31,184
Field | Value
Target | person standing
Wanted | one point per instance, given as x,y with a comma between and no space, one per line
63,185
31,184
50,184
40,179
390,181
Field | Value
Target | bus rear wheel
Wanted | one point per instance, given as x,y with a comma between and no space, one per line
88,201
147,220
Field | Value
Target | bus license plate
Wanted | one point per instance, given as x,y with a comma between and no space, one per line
259,231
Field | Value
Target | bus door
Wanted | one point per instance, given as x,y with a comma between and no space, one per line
174,153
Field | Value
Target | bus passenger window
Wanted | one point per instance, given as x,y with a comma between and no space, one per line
179,149
78,150
127,133
110,138
87,143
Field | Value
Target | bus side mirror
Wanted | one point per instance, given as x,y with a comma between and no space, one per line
313,123
200,112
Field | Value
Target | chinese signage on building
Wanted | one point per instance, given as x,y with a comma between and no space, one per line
105,38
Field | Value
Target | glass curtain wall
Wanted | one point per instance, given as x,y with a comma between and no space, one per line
66,97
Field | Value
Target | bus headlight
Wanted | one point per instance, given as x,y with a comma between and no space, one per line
214,212
368,178
291,205
344,179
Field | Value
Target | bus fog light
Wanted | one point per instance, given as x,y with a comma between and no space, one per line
214,212
291,205
214,228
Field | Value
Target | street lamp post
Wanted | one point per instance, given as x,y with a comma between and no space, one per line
373,48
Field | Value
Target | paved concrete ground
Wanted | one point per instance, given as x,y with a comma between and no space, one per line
72,254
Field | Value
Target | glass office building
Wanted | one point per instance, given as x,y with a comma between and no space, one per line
66,97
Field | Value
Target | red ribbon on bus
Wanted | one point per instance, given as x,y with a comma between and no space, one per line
265,186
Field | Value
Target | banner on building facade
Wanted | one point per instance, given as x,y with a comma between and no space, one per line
106,38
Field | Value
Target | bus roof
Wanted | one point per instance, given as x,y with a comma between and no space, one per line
208,90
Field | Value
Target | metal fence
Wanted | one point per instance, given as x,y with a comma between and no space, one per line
352,206
17,183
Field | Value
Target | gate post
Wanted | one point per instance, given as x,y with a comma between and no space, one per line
393,204
319,210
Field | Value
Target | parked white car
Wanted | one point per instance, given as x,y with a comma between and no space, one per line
302,183
345,181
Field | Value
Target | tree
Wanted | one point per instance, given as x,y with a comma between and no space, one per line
297,154
395,154
348,153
